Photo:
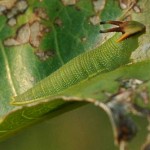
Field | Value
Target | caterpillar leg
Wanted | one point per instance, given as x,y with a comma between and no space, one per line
128,28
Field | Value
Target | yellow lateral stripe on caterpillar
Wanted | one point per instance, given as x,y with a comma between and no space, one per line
103,58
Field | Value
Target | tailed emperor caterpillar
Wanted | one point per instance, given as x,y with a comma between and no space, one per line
115,52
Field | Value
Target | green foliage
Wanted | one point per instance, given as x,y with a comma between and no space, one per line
70,34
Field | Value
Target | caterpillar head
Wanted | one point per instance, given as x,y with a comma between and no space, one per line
128,28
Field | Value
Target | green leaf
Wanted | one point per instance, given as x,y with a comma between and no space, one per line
71,32
21,68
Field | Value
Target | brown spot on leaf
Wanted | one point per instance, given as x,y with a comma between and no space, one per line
137,9
127,4
28,33
14,11
44,55
123,4
22,36
126,128
98,5
69,2
12,21
77,8
8,3
21,6
131,5
83,39
58,22
94,20
41,13
36,34
2,9
11,42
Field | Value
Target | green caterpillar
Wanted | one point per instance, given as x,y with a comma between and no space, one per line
108,56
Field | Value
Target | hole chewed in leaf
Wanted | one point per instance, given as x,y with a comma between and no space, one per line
121,104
